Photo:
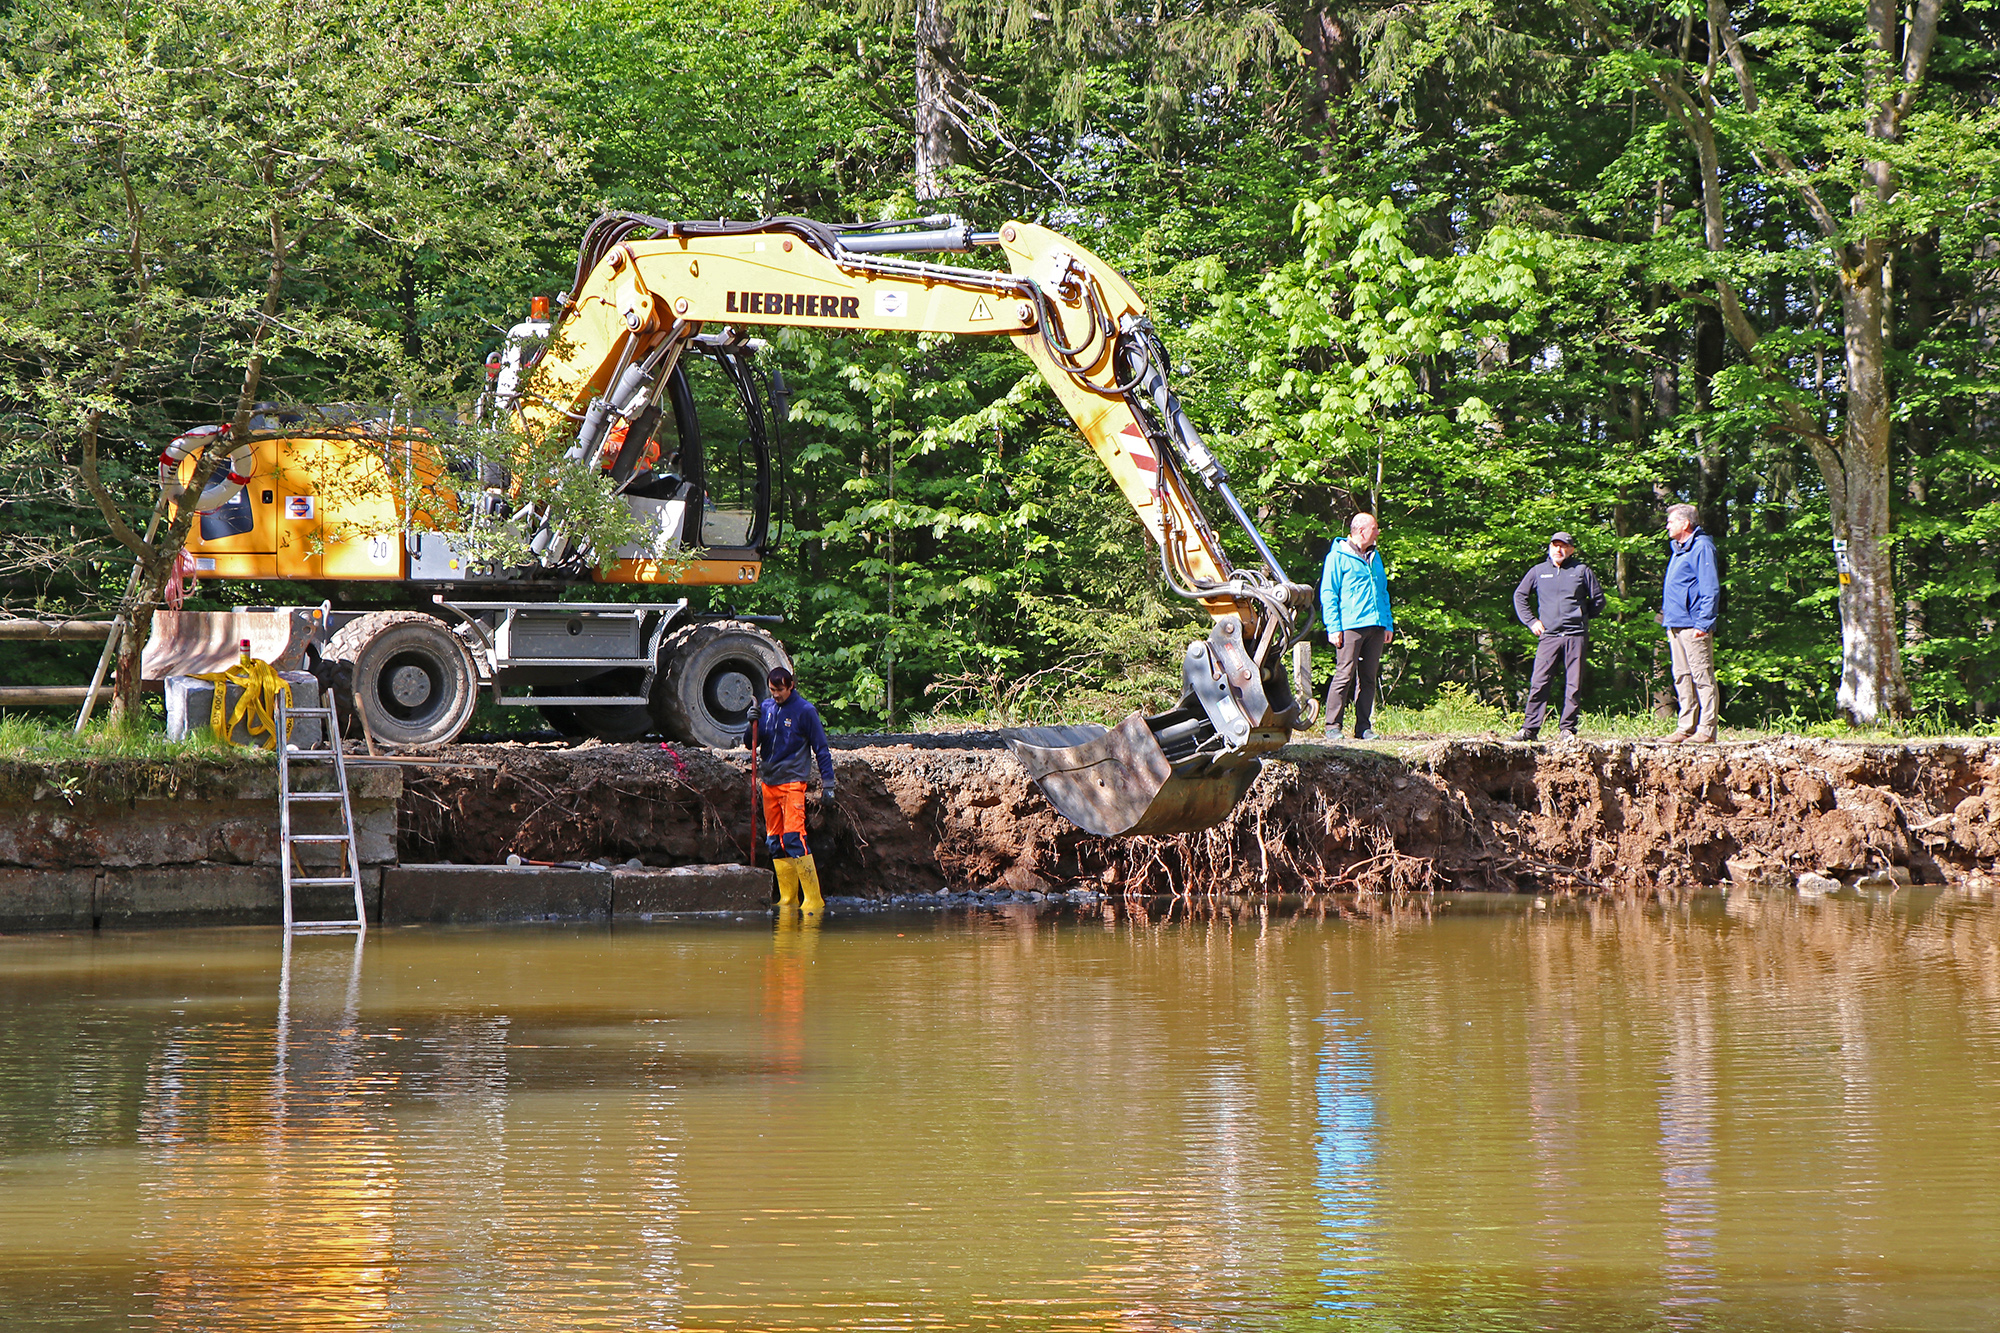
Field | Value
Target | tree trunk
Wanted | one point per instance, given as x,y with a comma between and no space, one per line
1921,288
1330,55
1712,461
936,150
131,653
1872,688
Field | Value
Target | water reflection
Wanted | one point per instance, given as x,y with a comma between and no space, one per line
795,939
1717,1117
1688,1200
269,1201
1348,1190
1554,1052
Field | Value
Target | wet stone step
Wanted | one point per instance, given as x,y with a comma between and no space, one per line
448,893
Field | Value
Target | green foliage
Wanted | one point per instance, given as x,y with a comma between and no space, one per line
1448,263
1453,711
305,203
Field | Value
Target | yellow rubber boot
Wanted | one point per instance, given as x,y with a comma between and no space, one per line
788,881
808,879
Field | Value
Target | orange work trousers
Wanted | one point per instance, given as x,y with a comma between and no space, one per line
785,818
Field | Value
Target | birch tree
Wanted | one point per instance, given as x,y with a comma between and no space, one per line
1837,127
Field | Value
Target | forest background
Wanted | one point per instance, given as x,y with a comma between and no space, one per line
1487,269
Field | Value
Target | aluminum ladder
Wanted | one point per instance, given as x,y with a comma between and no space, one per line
290,840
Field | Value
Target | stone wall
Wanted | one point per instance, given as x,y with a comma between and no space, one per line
130,843
134,842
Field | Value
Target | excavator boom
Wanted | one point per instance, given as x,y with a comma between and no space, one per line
645,286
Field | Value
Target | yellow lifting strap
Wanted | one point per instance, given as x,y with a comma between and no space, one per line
259,687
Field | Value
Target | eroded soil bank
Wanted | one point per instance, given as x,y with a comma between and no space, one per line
929,814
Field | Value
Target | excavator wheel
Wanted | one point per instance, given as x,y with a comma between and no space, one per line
712,677
408,675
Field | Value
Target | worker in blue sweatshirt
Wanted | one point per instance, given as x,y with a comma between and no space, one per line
789,737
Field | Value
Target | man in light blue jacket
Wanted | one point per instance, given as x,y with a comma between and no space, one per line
1354,603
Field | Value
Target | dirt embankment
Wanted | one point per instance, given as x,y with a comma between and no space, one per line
933,813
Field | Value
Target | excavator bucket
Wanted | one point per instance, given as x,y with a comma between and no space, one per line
1177,772
187,643
1121,781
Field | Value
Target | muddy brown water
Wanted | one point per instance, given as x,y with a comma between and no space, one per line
1745,1115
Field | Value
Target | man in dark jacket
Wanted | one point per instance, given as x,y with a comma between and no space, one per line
789,738
1567,598
1689,601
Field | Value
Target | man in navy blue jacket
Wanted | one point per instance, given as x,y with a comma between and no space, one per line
789,738
1567,598
1689,600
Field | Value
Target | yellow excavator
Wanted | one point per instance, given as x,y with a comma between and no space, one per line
645,372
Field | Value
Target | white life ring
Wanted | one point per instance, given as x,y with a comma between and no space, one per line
219,492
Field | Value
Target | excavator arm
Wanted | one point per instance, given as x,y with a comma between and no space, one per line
645,286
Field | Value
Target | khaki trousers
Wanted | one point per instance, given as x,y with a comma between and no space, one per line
1694,681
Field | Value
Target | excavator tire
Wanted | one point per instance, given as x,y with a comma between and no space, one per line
712,677
409,674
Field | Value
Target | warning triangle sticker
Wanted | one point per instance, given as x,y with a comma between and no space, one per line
979,310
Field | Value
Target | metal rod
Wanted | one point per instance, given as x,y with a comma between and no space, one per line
1264,551
755,794
910,242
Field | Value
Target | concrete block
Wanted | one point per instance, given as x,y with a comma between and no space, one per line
451,893
188,895
636,892
208,894
191,705
46,899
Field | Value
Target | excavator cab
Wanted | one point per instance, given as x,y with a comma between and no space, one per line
696,466
710,439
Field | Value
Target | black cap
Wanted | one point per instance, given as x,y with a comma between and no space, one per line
1565,539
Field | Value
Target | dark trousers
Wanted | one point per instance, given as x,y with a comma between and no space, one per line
1358,671
1555,652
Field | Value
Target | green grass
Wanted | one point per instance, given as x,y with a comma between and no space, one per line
33,739
1456,713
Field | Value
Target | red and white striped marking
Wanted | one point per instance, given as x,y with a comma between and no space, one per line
1135,445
